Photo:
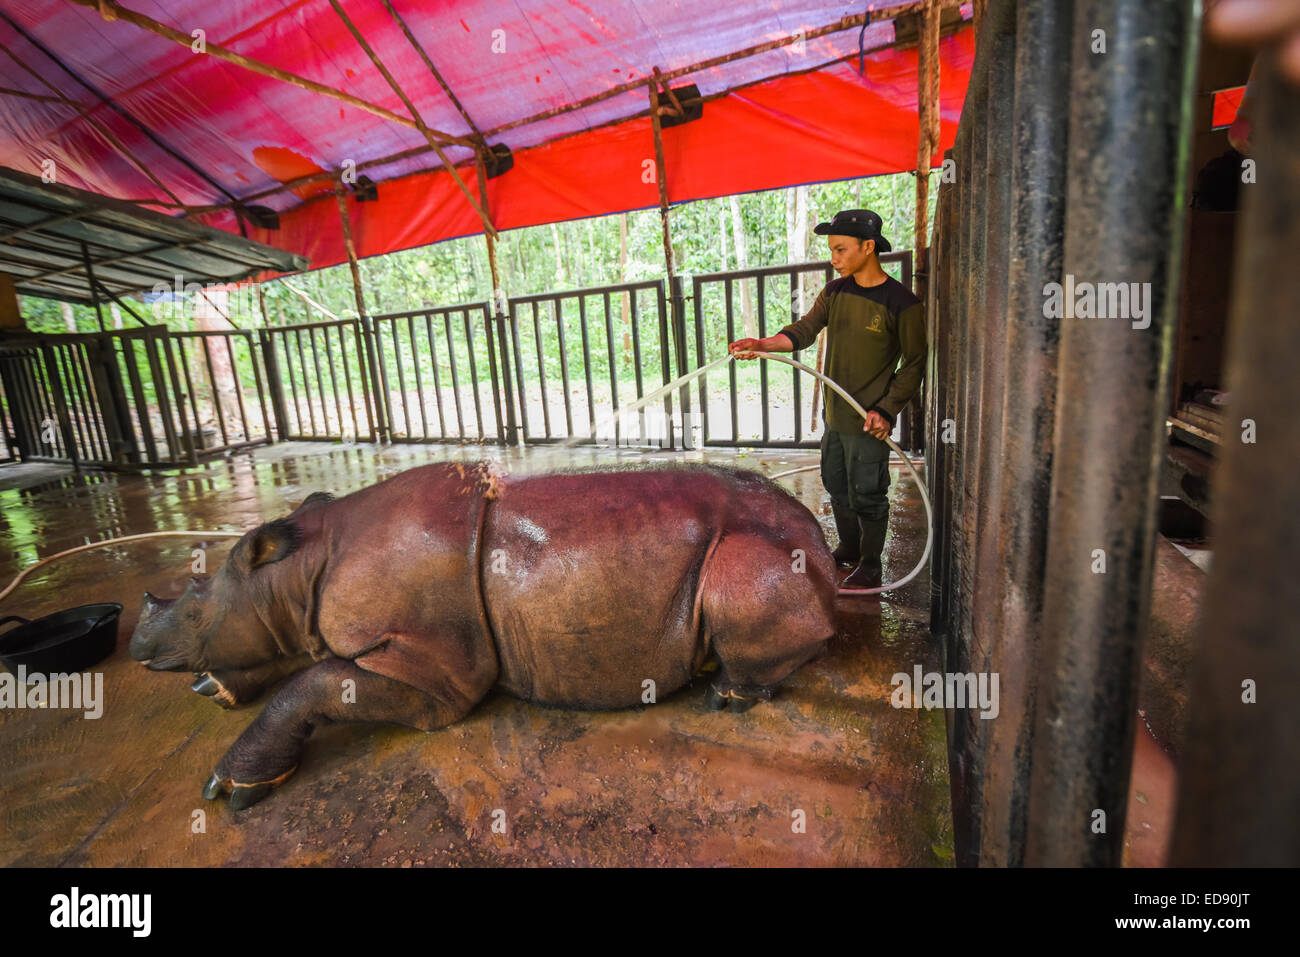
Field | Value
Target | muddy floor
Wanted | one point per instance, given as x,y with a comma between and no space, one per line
828,773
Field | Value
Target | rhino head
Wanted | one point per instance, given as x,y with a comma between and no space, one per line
235,630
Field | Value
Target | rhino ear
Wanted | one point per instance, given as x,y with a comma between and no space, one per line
272,542
315,499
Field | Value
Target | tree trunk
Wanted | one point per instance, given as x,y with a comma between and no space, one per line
117,315
722,236
560,271
69,320
749,322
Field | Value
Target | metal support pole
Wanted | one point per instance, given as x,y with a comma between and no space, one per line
1037,232
379,417
1126,105
90,277
499,314
993,181
1240,780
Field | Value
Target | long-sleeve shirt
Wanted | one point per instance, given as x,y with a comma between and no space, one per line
875,346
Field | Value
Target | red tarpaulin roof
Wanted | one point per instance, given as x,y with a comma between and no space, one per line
212,132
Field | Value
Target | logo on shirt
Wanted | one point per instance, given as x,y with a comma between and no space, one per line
874,324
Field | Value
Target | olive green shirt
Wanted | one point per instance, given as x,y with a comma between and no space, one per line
875,346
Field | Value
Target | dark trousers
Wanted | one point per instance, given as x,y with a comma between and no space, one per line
855,471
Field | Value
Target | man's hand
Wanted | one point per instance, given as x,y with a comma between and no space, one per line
877,425
746,348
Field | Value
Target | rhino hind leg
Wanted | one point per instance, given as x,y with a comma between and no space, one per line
270,748
766,612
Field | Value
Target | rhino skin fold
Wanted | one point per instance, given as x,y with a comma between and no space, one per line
408,601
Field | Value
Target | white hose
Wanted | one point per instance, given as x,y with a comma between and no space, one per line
110,541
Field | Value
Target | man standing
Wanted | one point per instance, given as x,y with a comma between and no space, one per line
875,350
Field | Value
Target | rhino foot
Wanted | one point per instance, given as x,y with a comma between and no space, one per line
242,796
734,700
208,686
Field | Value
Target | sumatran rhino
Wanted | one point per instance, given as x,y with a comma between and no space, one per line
410,600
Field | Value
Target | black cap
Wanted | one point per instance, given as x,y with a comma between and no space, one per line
859,223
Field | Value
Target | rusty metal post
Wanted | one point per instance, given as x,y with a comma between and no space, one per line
1240,781
982,597
939,336
1037,234
499,315
1123,225
965,759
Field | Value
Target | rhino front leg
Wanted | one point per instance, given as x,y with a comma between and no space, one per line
230,689
271,747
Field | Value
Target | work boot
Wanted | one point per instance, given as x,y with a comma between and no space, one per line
870,544
846,523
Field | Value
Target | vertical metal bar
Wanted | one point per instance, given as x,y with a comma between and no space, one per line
347,381
1037,230
274,385
500,379
519,373
301,430
93,285
473,371
187,436
564,365
765,397
728,286
374,379
306,383
1239,779
437,382
636,358
586,365
216,392
697,288
613,365
541,370
59,403
363,334
677,314
320,383
334,381
149,449
239,385
253,352
73,398
455,376
987,652
1133,103
189,391
796,377
154,334
99,412
401,379
419,380
666,440
504,319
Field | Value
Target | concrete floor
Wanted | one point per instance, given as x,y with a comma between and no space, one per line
670,784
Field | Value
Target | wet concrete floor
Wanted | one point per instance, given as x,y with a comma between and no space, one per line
828,773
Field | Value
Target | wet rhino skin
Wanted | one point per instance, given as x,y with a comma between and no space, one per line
573,589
